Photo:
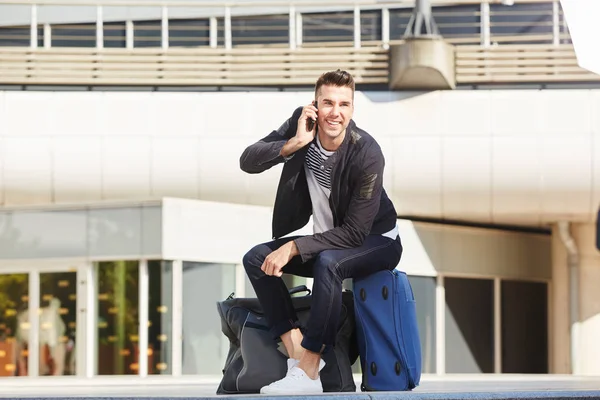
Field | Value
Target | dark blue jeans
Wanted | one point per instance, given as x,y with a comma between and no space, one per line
328,269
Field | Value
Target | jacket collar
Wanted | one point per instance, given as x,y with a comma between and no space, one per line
352,136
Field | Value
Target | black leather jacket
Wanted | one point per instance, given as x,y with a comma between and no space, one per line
359,204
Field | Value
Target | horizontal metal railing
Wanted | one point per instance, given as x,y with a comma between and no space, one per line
519,64
188,66
273,66
274,23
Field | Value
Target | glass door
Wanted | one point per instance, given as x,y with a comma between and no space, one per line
42,342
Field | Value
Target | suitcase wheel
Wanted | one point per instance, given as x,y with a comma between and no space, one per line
363,294
373,368
384,292
397,367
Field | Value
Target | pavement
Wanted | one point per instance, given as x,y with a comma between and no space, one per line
452,387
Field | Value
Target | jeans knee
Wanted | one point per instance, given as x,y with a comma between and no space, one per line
254,258
327,263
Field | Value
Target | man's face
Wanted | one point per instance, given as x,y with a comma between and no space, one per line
335,110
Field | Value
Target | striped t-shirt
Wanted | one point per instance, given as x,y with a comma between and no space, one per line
319,185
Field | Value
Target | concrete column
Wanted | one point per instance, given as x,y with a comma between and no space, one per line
574,345
559,329
588,362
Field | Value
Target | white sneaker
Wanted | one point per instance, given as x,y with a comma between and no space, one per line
291,363
295,382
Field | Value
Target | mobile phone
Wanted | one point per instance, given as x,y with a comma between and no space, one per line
310,123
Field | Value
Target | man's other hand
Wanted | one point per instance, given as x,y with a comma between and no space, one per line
278,259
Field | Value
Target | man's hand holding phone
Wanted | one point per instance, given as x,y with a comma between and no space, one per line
305,132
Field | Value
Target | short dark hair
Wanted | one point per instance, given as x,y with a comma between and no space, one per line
337,78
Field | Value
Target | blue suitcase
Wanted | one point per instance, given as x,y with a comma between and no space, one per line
387,332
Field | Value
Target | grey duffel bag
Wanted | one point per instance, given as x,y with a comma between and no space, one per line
256,359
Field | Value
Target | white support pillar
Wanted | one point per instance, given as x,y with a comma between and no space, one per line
47,36
298,29
33,35
228,28
357,38
440,326
177,315
164,30
87,331
143,296
99,28
485,24
497,326
129,32
385,27
240,281
555,23
33,347
292,27
213,32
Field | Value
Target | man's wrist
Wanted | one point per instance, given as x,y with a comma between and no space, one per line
293,248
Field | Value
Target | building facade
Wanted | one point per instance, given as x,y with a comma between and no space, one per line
125,215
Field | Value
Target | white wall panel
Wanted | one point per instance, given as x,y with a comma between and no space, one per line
27,170
421,115
28,114
558,104
434,144
175,166
2,186
516,179
3,118
220,173
77,168
466,178
595,106
516,112
566,171
126,167
466,113
176,114
126,113
85,115
230,114
417,175
212,232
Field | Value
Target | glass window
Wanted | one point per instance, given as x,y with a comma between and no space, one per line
189,32
399,18
370,25
262,29
521,23
524,327
460,23
147,34
160,316
469,325
204,345
114,34
424,292
80,35
58,323
118,317
14,324
20,36
328,27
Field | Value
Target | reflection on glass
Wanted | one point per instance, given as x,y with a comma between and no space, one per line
204,345
118,317
160,281
57,323
14,324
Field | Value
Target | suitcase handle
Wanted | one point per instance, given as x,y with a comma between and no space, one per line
298,289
